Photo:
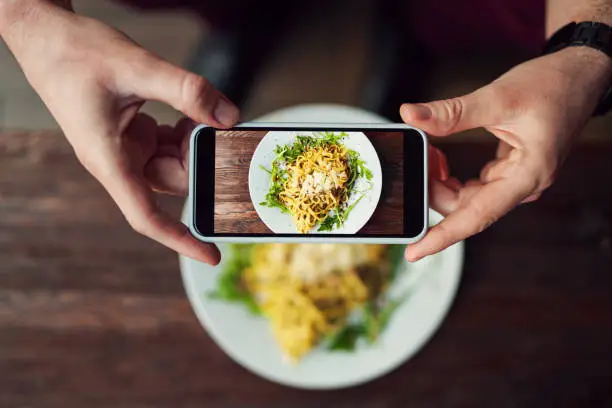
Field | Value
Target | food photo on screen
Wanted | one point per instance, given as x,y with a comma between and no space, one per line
309,182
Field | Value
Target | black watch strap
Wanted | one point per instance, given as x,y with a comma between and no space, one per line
588,34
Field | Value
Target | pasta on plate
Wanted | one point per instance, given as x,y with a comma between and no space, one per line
314,180
314,294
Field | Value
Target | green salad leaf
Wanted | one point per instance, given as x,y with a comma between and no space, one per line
337,218
346,338
229,283
396,259
375,315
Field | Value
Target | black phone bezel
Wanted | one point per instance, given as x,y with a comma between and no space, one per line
203,186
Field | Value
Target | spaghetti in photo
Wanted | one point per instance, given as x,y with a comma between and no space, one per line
308,182
315,180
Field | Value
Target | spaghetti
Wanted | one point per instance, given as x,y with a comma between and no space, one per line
305,302
315,185
314,294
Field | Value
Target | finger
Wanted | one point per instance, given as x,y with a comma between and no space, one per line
438,165
183,128
182,131
174,135
139,122
193,95
445,117
504,166
503,150
493,170
140,137
172,151
443,198
453,183
137,202
474,214
165,135
166,174
533,197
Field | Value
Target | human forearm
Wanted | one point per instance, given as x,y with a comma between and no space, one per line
562,12
593,65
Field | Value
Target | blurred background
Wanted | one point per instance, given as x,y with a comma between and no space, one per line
363,53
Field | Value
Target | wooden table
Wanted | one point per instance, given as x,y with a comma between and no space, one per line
91,314
234,210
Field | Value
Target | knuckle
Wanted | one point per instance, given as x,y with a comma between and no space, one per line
96,167
484,219
88,162
452,112
445,235
141,220
194,90
139,224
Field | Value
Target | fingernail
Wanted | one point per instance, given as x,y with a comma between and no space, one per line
216,255
421,112
226,113
454,183
409,256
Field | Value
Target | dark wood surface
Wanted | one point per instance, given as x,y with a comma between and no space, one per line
93,315
388,218
234,210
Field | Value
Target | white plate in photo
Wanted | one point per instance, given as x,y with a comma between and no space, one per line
247,339
282,223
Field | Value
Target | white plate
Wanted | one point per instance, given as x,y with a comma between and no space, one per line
282,223
248,340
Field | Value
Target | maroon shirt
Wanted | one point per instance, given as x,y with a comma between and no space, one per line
482,25
443,26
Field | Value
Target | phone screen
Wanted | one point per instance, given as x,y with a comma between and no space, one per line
295,182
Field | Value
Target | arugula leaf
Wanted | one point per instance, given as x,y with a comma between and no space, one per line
364,170
346,338
229,283
396,259
371,323
329,222
376,320
387,311
346,212
277,176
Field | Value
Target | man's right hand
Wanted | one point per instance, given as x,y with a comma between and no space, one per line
94,79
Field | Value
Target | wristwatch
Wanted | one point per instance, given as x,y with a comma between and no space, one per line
587,34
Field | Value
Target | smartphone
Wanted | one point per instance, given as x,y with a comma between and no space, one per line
315,182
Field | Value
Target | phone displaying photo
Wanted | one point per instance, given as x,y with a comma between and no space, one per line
323,183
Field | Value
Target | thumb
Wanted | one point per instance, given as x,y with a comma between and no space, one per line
448,116
185,91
